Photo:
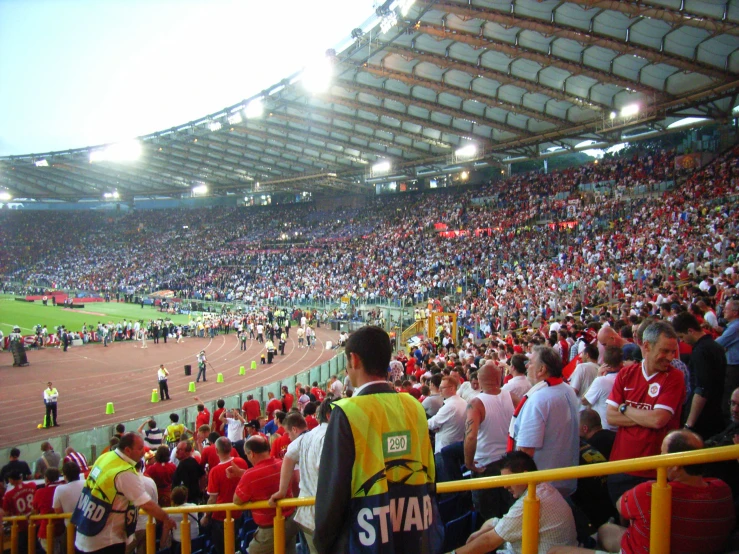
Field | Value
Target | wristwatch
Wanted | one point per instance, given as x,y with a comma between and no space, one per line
622,409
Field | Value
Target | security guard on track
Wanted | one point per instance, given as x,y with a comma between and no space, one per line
377,472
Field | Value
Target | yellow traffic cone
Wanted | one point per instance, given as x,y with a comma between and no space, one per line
154,395
191,387
254,364
242,370
219,379
109,410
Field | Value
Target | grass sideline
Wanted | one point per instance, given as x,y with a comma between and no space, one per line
29,314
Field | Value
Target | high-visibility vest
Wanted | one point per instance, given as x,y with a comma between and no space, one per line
96,502
391,507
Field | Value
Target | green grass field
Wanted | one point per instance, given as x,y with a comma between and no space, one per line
29,314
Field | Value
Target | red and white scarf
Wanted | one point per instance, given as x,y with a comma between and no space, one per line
549,382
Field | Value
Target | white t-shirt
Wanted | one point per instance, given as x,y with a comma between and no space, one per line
131,489
583,377
517,386
234,429
66,496
193,518
597,395
337,388
151,489
307,453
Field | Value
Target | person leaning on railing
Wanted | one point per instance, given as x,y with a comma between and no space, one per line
702,510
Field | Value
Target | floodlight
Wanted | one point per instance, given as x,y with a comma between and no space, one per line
215,126
388,22
5,196
613,115
464,175
468,151
41,163
630,111
121,152
317,76
234,118
253,109
200,189
381,167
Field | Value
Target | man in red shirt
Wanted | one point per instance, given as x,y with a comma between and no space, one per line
221,489
43,501
19,502
260,483
203,417
645,403
287,399
317,392
273,404
218,426
209,454
279,446
251,408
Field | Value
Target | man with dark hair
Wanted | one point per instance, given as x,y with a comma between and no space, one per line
585,372
707,373
434,401
115,490
376,454
188,472
42,504
518,384
218,425
251,408
15,464
48,459
556,524
221,487
260,482
18,502
545,423
645,404
67,495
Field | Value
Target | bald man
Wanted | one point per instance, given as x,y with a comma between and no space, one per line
608,336
488,417
699,504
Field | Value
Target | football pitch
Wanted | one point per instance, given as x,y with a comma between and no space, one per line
29,314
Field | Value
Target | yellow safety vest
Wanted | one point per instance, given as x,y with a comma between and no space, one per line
392,509
96,502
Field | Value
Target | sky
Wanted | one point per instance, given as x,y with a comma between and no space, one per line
76,73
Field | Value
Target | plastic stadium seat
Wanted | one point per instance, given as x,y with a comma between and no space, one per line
457,531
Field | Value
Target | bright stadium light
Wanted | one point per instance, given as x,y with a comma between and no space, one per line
234,118
214,126
630,111
317,76
253,109
113,194
468,151
388,22
200,189
41,163
121,152
5,196
405,6
381,167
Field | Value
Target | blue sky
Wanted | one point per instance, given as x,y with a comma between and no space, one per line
76,73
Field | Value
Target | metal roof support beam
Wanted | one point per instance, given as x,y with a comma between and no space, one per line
581,37
249,146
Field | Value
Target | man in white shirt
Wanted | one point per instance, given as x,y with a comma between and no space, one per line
234,425
305,453
434,401
585,372
67,495
597,394
519,384
448,424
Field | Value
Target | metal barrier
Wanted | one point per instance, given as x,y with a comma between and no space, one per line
661,508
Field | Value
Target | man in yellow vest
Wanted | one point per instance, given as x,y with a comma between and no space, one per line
106,512
376,475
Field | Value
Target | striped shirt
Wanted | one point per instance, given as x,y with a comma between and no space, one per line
153,438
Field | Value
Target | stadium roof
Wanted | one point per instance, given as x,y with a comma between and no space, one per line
431,86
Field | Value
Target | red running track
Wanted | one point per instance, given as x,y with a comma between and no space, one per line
87,377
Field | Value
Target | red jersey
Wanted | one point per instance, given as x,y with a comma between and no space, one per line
162,475
203,418
210,456
252,410
318,393
43,501
311,422
663,390
221,485
279,447
218,426
702,518
19,502
287,401
272,406
260,483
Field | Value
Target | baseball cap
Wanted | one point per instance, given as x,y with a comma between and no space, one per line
254,423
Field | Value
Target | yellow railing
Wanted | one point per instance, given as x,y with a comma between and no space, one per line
660,509
416,328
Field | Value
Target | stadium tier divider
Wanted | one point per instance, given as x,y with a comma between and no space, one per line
92,442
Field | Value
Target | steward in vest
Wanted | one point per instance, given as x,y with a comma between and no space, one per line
106,512
376,476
